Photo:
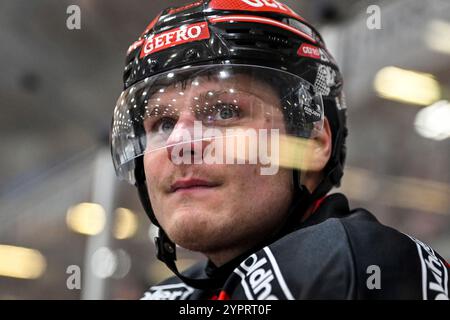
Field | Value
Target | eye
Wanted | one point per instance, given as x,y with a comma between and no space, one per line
164,125
226,112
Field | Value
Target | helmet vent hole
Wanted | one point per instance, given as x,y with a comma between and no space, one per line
264,39
238,31
245,42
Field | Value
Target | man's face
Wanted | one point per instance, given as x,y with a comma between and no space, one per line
214,207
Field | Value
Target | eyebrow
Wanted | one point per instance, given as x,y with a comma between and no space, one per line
161,107
201,97
204,96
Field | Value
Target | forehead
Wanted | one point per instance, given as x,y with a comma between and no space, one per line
223,83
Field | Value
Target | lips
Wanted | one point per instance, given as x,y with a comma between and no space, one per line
191,184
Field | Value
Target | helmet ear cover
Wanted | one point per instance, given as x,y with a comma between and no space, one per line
141,185
337,119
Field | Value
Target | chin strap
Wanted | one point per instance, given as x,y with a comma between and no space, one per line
166,252
301,201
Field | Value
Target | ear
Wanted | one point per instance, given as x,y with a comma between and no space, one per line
320,152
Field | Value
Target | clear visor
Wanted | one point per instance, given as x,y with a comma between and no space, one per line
215,114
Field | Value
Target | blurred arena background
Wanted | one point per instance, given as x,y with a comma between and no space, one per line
61,206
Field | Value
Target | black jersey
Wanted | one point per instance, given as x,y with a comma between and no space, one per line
336,254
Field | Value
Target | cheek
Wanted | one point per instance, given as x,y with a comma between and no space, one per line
259,192
258,203
155,164
150,166
155,167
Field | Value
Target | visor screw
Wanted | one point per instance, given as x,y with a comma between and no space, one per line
152,64
191,54
168,247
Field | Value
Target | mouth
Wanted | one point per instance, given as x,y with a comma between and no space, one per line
192,185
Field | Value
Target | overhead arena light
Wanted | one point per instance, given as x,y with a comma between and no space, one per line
433,122
407,86
126,224
86,218
22,263
437,36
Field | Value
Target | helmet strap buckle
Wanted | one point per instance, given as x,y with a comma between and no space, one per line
165,249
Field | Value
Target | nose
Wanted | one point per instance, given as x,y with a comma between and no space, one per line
185,144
